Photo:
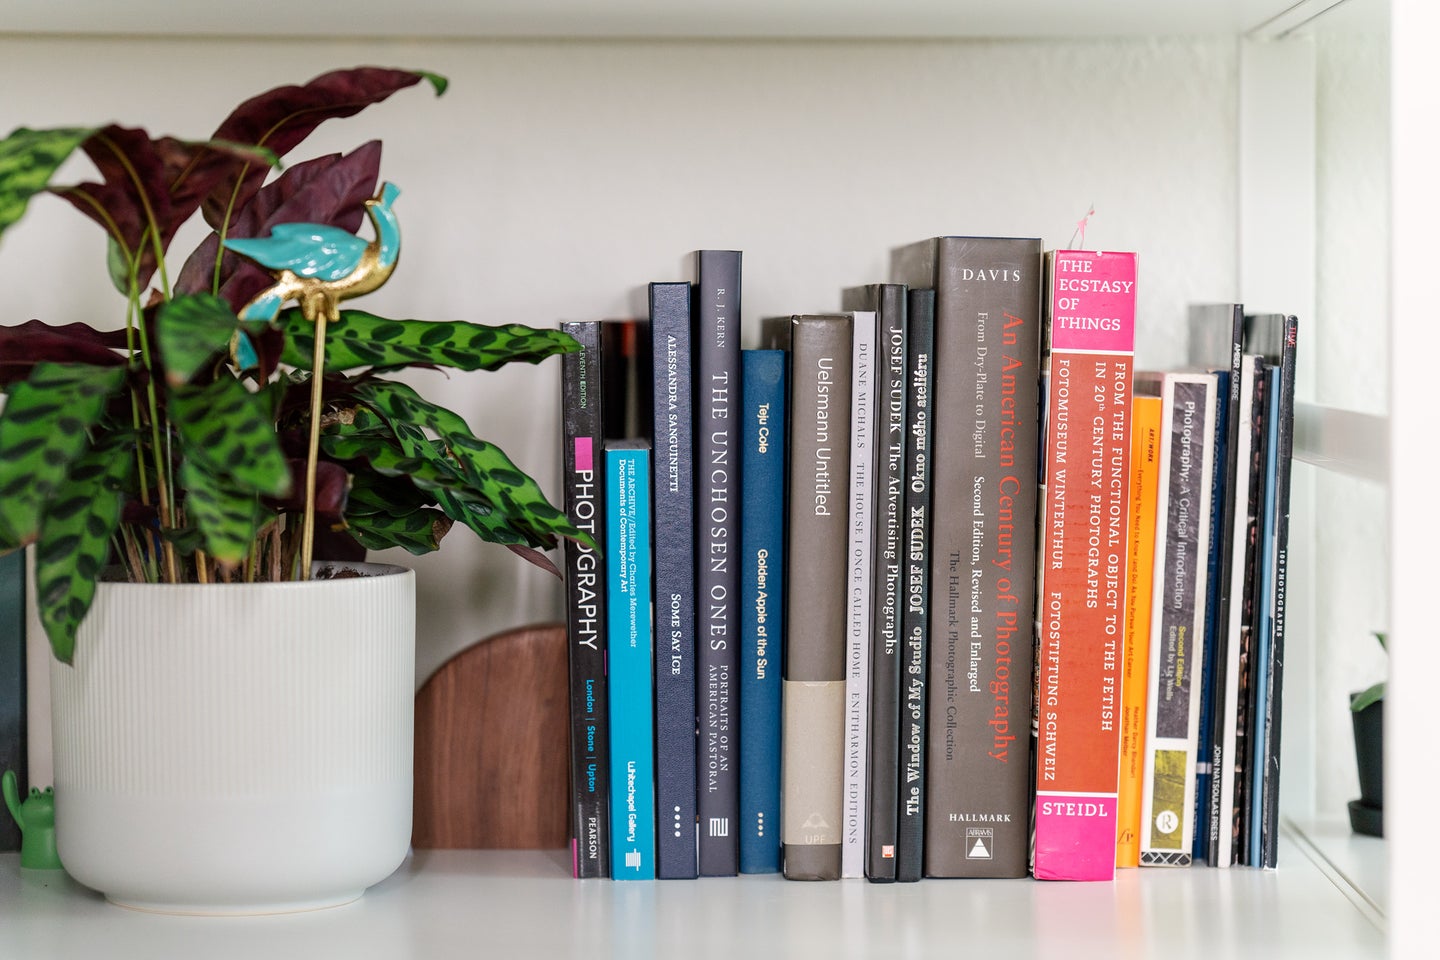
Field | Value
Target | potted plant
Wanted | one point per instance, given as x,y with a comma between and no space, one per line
233,734
1367,713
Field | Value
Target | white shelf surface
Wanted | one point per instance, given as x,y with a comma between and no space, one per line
657,18
1358,864
443,904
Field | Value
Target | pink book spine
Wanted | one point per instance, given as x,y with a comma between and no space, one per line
1090,340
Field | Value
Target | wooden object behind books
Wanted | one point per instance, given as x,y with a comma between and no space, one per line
491,747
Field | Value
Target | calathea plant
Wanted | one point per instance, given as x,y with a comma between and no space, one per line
1376,691
175,445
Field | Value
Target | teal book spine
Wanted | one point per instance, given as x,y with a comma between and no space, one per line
12,683
630,641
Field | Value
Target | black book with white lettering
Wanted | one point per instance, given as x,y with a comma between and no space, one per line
915,588
581,376
716,351
673,485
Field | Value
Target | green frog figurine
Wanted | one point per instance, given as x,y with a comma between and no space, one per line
36,817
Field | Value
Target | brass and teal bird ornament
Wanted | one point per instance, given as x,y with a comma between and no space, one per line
317,266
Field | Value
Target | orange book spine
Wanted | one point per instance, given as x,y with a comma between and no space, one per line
1145,415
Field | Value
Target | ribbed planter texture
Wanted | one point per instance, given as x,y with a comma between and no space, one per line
238,748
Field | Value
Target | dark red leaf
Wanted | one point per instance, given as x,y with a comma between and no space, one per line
281,118
337,545
137,514
330,190
32,342
132,175
143,180
332,491
535,557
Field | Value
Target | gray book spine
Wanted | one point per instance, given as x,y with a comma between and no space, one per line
986,439
716,354
673,489
815,622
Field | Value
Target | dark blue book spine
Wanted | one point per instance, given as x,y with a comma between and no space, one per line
581,375
632,720
762,603
13,747
674,491
1217,334
1205,745
1265,620
716,346
915,610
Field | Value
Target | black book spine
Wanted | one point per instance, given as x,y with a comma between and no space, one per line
716,346
888,301
674,512
915,609
582,425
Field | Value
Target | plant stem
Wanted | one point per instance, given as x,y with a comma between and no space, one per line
312,455
136,418
161,486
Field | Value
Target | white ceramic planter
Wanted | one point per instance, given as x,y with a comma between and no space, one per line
238,748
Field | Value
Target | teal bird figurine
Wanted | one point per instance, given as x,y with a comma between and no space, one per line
317,266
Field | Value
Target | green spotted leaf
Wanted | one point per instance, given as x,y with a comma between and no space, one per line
409,454
514,502
372,493
405,452
44,428
74,539
360,339
192,330
28,159
228,518
227,430
424,465
418,532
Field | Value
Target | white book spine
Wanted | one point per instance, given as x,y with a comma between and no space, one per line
857,646
1177,632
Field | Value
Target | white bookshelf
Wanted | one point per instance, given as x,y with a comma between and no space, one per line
538,190
462,904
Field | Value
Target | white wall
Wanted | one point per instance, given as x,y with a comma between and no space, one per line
556,178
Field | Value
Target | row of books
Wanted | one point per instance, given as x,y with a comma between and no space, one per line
1205,657
859,600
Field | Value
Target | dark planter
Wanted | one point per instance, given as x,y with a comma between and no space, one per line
1367,813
